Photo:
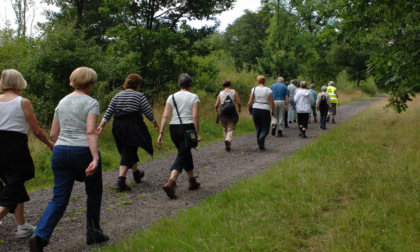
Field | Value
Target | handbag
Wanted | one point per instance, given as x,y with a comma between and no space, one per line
190,136
253,95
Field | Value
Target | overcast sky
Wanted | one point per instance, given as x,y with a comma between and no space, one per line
226,18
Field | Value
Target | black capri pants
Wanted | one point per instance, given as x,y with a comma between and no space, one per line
184,159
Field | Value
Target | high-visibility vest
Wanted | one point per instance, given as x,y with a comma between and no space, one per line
331,91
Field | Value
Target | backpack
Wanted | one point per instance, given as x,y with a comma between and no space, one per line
228,107
323,104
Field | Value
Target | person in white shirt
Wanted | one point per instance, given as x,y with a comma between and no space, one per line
259,105
16,164
303,99
187,105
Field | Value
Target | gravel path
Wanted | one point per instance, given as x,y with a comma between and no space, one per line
125,213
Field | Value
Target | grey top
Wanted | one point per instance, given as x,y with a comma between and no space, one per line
72,112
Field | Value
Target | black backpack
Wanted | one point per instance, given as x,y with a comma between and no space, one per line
228,107
323,104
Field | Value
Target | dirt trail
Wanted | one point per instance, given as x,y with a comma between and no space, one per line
123,214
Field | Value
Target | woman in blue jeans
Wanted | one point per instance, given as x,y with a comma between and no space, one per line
75,157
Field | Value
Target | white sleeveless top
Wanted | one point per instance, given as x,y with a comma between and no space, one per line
223,94
12,117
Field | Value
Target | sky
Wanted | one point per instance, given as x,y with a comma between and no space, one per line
226,18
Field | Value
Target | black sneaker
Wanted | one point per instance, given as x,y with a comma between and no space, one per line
138,175
36,244
227,146
279,133
328,119
333,121
294,120
96,240
290,122
261,144
273,130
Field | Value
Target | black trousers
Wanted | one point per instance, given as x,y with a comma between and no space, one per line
303,120
262,120
184,159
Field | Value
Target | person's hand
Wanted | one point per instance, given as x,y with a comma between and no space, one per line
217,110
239,112
287,108
51,145
99,129
160,140
156,125
198,137
92,168
272,113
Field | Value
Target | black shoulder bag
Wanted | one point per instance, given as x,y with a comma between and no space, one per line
190,135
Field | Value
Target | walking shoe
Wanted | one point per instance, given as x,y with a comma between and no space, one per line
138,175
193,183
290,122
227,146
315,120
273,130
304,134
25,231
169,189
121,185
36,244
279,133
96,240
328,119
309,121
294,120
261,144
300,132
333,121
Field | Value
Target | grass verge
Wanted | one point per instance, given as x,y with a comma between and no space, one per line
353,189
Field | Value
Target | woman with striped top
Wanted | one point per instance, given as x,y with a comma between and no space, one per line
129,129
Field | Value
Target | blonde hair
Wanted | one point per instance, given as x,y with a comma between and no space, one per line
82,77
261,79
12,80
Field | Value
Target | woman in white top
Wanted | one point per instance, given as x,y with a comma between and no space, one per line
187,104
228,119
75,157
260,102
303,99
16,164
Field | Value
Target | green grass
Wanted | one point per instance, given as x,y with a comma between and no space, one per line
353,189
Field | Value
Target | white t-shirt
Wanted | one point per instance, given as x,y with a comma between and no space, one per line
184,101
72,112
261,97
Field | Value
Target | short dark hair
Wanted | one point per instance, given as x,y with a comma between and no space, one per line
184,80
226,83
303,84
133,81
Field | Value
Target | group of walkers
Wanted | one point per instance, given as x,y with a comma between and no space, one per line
75,137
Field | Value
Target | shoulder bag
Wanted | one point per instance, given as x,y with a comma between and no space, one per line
190,136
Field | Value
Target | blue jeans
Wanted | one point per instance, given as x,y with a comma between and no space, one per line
313,111
323,120
292,109
68,164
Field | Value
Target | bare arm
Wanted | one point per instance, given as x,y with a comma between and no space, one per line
271,102
251,101
166,113
28,110
216,106
238,101
93,141
55,129
196,120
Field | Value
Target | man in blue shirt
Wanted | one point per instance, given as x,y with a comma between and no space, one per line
281,101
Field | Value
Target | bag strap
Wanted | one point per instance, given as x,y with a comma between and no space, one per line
253,94
176,107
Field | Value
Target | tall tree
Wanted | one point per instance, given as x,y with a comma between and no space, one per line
21,7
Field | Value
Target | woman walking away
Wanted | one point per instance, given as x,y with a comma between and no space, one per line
227,114
303,99
129,129
323,105
183,105
75,157
16,165
259,104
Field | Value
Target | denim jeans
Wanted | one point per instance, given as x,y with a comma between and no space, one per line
68,164
292,109
323,120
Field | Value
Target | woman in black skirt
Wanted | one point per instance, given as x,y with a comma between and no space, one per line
129,129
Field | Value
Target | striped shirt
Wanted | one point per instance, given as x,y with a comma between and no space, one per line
129,101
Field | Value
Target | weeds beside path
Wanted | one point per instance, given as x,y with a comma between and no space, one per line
125,213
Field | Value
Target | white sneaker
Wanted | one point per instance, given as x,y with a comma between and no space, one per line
25,231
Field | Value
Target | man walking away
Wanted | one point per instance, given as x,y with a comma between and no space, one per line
313,105
281,101
332,91
292,104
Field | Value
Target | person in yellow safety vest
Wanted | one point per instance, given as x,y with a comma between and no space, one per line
332,91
